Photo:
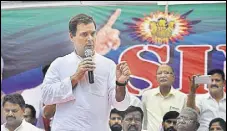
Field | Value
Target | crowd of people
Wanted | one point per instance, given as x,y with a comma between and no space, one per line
71,103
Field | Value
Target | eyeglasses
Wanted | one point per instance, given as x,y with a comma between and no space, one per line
183,119
136,120
164,72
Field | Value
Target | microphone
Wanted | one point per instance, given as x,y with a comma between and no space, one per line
88,53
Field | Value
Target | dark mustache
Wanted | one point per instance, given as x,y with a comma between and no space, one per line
214,86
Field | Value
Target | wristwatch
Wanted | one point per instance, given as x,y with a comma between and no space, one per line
121,84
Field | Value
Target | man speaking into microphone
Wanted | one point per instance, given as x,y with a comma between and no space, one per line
83,100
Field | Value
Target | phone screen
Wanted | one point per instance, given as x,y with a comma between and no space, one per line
205,79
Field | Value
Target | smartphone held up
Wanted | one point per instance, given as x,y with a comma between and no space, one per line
203,79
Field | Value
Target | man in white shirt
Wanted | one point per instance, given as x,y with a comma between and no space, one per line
80,105
13,107
135,101
158,101
211,105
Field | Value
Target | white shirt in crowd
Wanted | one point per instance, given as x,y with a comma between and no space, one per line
30,94
86,107
135,101
210,109
25,126
155,106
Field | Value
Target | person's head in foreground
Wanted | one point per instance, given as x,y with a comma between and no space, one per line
13,110
115,121
170,120
132,120
187,120
217,124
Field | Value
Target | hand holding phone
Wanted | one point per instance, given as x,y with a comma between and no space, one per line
204,79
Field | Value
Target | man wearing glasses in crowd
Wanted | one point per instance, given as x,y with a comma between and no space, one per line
158,101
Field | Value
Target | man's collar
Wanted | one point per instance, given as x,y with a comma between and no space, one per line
79,57
76,55
22,123
172,91
210,97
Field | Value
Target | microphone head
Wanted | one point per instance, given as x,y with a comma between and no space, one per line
88,52
88,49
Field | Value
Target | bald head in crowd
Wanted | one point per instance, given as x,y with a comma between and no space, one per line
187,120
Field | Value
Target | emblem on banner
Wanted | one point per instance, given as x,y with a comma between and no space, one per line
161,28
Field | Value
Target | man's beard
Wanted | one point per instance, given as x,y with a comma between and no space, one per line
170,129
116,127
133,127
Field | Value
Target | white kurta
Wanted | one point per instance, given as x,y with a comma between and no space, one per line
86,107
25,126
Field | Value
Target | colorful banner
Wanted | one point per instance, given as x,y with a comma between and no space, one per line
191,38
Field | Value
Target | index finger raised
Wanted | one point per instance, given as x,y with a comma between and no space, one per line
113,17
